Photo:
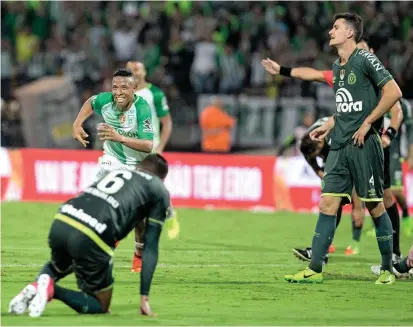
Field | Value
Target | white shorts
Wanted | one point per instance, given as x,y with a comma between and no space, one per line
108,163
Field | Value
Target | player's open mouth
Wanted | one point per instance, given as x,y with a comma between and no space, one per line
120,99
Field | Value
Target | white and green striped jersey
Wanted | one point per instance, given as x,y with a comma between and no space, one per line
159,106
136,122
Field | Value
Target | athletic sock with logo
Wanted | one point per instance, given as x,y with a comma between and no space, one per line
322,239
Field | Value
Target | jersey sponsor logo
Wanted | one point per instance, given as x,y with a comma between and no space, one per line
342,74
351,79
372,59
345,102
84,217
128,134
147,125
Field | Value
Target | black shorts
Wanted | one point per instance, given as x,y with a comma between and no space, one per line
74,250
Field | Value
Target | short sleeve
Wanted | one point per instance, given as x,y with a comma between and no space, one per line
100,100
161,210
375,70
144,116
161,103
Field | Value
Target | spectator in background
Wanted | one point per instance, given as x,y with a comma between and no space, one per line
26,45
124,39
231,69
179,57
216,127
11,127
204,68
6,69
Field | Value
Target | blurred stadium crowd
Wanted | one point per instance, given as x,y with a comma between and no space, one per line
188,47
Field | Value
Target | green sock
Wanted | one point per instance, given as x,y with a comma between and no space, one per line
384,236
402,266
78,301
322,239
356,231
394,216
50,270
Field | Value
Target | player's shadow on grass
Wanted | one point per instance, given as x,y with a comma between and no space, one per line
350,277
233,247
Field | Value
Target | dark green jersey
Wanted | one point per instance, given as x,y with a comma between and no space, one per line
357,85
112,206
405,131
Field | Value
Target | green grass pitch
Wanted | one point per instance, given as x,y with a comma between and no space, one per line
226,268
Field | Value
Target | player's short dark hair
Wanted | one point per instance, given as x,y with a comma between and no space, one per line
157,164
307,146
355,20
123,72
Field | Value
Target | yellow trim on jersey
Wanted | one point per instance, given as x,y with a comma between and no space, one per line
383,80
156,221
371,200
341,195
87,231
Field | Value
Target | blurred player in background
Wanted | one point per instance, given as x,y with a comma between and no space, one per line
358,77
299,132
160,118
312,150
83,235
391,132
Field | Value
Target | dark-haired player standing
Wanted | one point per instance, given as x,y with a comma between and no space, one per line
365,91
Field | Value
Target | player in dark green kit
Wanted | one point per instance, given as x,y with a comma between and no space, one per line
83,236
396,155
365,91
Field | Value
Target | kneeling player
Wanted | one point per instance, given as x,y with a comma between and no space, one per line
311,150
83,236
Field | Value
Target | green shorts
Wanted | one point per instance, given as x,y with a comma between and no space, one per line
72,250
396,172
351,165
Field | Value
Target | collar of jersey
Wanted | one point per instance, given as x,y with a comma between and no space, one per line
353,54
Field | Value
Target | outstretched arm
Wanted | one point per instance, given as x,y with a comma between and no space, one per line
303,73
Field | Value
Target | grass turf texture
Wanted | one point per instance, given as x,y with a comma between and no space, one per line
226,268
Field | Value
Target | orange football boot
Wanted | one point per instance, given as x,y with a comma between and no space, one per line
136,263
